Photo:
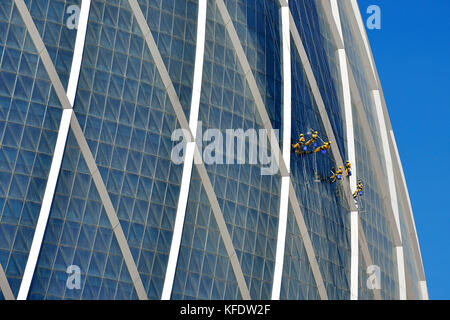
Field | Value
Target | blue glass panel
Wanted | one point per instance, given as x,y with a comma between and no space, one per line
174,27
316,36
322,203
203,270
55,21
79,234
29,122
129,123
298,282
374,213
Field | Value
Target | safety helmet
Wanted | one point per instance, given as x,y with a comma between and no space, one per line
340,167
315,132
301,134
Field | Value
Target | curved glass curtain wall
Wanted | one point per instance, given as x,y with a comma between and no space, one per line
298,282
79,233
249,201
317,40
121,98
29,123
322,203
258,26
356,64
125,114
174,27
52,19
357,67
203,269
373,213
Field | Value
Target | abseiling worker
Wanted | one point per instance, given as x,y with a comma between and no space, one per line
359,189
313,139
324,147
300,145
336,175
348,169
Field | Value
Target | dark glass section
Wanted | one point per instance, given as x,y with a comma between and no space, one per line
258,26
127,118
174,27
298,282
317,40
56,24
203,270
322,202
79,234
29,122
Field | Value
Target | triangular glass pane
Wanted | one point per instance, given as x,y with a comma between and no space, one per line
84,238
56,25
202,250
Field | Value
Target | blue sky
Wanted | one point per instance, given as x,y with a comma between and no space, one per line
412,54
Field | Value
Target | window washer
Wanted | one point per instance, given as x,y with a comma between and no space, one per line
337,175
359,189
313,139
324,147
300,145
348,169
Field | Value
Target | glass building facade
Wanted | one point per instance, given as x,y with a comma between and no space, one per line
123,220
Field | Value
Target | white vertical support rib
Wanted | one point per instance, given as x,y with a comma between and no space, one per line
285,181
423,289
401,272
354,218
57,156
189,157
392,190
